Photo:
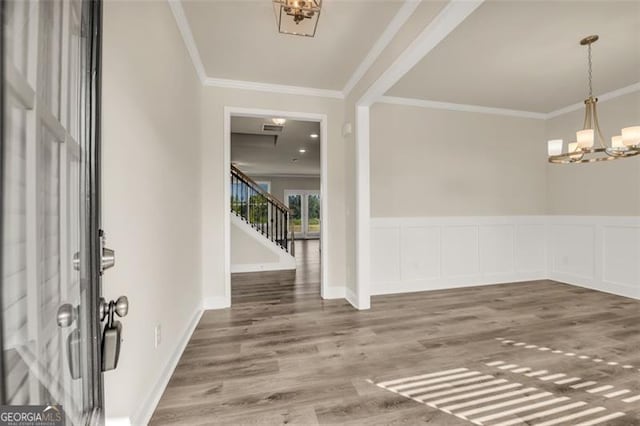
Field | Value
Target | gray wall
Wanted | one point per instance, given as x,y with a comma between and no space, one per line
428,162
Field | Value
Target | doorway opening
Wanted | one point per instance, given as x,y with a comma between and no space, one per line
276,216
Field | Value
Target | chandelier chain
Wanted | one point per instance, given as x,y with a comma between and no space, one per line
590,73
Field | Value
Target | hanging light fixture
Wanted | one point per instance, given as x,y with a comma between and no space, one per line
297,17
584,150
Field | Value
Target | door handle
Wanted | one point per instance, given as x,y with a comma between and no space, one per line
66,315
112,333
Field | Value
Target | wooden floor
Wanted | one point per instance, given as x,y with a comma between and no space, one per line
281,355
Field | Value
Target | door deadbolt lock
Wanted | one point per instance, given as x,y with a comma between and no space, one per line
107,255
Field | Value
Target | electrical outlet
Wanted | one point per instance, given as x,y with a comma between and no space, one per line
565,260
157,335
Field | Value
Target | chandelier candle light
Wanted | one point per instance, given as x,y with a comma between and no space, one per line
297,17
625,145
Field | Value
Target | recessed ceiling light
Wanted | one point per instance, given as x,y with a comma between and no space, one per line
279,121
302,150
313,135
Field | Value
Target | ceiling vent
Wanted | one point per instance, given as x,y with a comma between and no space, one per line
272,128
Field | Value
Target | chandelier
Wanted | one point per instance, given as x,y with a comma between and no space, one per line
584,150
297,17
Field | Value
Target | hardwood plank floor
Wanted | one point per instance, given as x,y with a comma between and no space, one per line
281,355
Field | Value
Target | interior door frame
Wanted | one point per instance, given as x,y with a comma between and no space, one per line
230,111
3,400
91,119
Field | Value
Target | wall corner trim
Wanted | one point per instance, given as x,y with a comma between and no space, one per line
150,402
353,299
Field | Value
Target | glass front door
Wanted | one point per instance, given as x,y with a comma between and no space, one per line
305,212
50,280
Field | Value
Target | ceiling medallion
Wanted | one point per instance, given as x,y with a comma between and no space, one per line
625,145
297,17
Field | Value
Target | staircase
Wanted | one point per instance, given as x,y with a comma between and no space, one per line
261,210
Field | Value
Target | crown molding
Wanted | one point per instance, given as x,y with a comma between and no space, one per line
601,98
273,88
187,37
461,107
403,14
422,103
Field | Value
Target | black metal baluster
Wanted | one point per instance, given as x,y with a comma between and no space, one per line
286,232
268,220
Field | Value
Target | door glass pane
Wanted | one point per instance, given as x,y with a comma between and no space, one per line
47,361
313,214
295,205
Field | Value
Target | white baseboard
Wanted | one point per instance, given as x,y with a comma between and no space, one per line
148,406
611,288
396,287
216,303
334,293
263,267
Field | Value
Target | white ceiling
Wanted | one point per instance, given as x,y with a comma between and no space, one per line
238,39
524,55
254,152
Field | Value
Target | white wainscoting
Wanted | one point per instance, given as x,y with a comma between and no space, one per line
417,254
598,252
431,253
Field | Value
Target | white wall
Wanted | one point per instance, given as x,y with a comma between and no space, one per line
151,197
432,253
598,252
213,102
251,251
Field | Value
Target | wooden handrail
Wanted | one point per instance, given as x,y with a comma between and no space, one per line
259,190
